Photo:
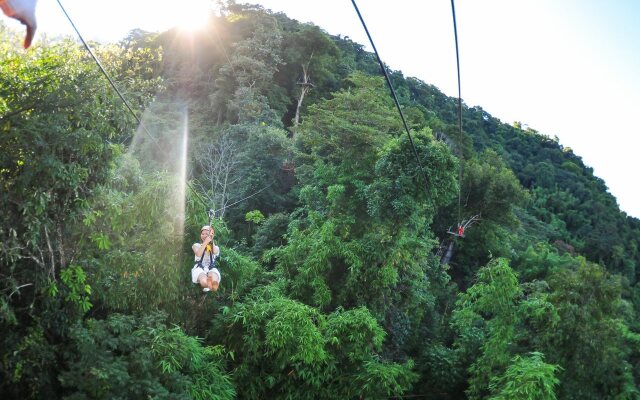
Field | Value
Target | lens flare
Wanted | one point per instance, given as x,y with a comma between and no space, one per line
182,173
192,15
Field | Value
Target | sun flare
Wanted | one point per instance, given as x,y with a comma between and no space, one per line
192,15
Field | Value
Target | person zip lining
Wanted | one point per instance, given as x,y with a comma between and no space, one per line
204,272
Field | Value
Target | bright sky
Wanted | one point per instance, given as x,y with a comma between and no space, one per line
566,68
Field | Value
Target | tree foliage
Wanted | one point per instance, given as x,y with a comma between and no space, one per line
332,234
126,357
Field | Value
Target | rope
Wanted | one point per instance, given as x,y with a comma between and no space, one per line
460,156
393,93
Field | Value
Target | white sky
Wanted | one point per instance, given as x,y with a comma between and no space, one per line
567,68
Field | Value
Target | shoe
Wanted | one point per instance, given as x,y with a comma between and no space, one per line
206,289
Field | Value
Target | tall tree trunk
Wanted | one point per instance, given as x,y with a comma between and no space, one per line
305,87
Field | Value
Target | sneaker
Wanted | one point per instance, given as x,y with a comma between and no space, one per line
206,289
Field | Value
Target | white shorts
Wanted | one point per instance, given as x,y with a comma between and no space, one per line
196,271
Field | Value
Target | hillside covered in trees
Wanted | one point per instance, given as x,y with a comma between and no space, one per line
340,278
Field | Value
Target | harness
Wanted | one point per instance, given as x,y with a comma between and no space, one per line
212,259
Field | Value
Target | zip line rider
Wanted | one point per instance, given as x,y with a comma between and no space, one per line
206,252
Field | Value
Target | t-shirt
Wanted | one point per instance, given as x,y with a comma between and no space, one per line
206,260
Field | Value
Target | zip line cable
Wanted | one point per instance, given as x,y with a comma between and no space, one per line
380,62
106,75
393,93
397,103
113,85
243,199
455,33
104,72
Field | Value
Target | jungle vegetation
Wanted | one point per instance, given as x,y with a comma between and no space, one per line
340,279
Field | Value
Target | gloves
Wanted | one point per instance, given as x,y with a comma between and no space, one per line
25,12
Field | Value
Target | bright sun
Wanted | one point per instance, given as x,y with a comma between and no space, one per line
191,15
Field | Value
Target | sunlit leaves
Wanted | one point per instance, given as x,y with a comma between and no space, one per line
348,129
78,291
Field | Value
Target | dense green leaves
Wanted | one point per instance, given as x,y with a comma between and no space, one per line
124,357
589,333
331,237
526,378
303,354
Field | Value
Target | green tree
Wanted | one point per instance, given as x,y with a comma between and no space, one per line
490,319
360,237
242,84
526,378
308,72
60,121
286,349
127,357
132,242
490,191
588,341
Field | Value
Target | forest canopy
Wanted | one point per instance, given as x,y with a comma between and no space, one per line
343,273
